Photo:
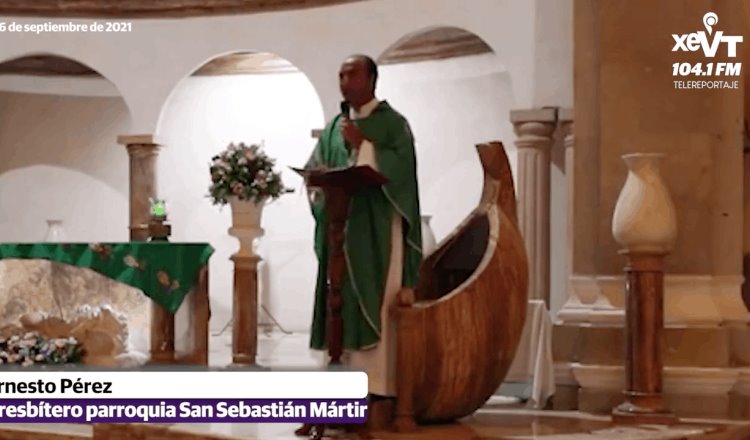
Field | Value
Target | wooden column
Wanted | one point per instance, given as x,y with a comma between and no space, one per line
408,320
535,130
200,313
644,327
143,151
245,309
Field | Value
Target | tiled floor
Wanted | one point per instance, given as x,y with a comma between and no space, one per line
496,421
275,350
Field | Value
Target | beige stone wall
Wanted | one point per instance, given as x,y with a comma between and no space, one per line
626,102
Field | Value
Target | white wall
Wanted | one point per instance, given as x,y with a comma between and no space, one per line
452,105
553,54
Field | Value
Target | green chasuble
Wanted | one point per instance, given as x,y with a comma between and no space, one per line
368,230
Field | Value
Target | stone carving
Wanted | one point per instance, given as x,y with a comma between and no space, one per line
113,318
102,332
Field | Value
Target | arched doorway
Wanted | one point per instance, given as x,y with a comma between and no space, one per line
256,98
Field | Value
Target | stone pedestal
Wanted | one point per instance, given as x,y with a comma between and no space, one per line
535,129
246,227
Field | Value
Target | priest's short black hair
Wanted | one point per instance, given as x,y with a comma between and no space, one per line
372,66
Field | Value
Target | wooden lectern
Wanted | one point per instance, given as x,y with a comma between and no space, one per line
338,185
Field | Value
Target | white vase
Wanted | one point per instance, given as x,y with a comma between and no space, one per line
55,232
428,236
246,218
644,219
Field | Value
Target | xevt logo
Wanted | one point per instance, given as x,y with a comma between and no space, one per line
712,43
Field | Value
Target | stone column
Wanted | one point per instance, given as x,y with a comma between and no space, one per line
143,152
565,117
535,129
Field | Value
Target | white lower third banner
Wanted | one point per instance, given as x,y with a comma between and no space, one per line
182,397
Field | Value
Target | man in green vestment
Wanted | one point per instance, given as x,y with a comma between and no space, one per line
383,239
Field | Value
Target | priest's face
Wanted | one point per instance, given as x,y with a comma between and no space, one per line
355,82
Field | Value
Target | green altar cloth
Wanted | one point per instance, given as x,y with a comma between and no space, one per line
164,271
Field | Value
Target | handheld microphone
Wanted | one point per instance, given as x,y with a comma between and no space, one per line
345,106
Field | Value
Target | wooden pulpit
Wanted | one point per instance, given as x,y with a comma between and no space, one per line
338,186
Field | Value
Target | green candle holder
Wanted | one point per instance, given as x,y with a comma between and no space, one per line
158,229
158,208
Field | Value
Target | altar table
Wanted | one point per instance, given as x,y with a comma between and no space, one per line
166,272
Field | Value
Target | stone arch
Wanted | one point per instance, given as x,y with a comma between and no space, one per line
62,63
237,61
251,97
465,40
435,42
51,73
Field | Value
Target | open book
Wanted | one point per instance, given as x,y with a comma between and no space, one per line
350,176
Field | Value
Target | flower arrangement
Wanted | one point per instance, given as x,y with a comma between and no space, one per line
245,172
32,348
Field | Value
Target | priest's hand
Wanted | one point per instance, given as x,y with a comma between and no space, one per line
352,134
